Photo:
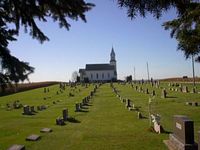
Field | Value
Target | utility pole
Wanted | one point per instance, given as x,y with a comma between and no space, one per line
134,74
193,70
148,71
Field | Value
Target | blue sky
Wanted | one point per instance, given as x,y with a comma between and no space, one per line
135,42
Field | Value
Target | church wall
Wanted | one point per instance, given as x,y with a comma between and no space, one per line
103,75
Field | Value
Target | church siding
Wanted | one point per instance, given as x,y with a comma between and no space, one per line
100,75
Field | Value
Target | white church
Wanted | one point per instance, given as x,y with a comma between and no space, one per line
100,72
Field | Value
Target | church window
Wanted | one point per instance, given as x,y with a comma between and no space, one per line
108,75
91,76
97,75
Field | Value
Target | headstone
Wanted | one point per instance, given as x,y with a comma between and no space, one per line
136,88
194,103
139,115
153,93
157,127
26,110
128,104
163,94
32,109
46,130
77,107
147,91
60,121
17,147
43,107
185,89
65,114
39,108
33,137
183,134
193,90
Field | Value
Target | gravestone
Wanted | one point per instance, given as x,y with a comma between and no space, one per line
156,123
153,93
43,107
32,109
128,104
147,91
139,115
46,130
60,121
136,88
194,103
33,137
26,110
39,108
16,147
183,134
189,103
193,90
65,114
185,89
163,94
77,107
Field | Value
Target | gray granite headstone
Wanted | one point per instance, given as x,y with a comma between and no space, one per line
183,134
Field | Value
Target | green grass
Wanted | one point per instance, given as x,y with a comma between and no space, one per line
106,124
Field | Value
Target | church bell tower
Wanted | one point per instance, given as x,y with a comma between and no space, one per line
112,59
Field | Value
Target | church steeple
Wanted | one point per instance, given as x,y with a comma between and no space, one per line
112,56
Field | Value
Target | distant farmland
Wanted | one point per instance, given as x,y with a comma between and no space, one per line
26,86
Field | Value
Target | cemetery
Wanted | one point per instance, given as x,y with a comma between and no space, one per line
102,106
102,116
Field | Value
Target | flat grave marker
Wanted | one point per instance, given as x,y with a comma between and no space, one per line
33,137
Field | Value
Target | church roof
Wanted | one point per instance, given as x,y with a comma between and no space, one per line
81,70
90,67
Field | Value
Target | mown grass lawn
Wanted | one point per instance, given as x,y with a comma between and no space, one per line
106,124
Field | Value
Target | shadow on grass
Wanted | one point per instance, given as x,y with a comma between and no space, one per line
84,107
88,105
171,97
83,110
73,120
151,129
143,117
167,132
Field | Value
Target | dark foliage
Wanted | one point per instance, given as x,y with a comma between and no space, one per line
185,28
26,13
